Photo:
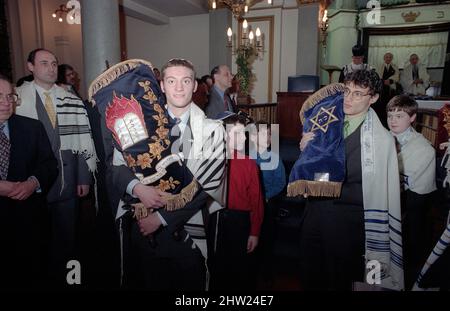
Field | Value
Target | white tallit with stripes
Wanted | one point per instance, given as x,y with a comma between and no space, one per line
206,161
73,122
438,250
381,195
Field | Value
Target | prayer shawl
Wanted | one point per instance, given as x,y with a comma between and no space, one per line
73,122
395,77
406,79
438,250
381,197
417,164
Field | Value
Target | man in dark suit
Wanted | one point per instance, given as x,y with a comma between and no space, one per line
28,168
219,100
67,125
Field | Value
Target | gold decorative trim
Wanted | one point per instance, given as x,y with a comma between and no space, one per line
112,74
173,203
314,188
177,201
410,17
315,98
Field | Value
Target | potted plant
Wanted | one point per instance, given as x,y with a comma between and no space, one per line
244,73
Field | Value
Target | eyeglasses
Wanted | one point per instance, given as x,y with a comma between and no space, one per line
357,95
10,98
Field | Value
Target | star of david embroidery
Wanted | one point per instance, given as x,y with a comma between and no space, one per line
323,119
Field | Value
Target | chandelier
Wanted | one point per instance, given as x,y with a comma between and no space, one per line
238,7
72,11
250,42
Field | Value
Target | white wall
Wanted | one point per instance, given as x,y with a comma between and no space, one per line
308,39
289,41
185,37
38,29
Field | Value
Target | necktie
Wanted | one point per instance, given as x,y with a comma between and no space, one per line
50,108
226,99
346,128
398,147
5,148
415,73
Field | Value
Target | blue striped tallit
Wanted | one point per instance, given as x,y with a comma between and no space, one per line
438,250
381,194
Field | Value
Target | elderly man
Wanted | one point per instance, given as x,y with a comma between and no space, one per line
219,99
28,169
414,78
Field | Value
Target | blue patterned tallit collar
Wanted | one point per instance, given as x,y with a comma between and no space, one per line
405,137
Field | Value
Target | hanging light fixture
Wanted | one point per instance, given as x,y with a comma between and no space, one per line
71,10
250,42
238,7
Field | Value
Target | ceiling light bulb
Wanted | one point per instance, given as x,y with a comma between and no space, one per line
325,17
258,32
214,5
229,32
54,15
246,8
245,24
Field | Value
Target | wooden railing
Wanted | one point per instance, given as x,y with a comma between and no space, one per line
261,112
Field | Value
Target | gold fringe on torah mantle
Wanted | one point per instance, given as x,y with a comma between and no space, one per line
179,200
112,74
315,98
314,188
174,201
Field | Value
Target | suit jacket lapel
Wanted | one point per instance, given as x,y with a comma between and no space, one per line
17,149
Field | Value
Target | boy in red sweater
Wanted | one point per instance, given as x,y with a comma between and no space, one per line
239,225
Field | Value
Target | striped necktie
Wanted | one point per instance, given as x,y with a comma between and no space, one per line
5,149
50,108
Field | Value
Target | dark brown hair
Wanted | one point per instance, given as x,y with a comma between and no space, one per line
177,62
403,103
32,55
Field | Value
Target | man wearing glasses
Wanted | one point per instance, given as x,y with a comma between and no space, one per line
28,168
342,238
